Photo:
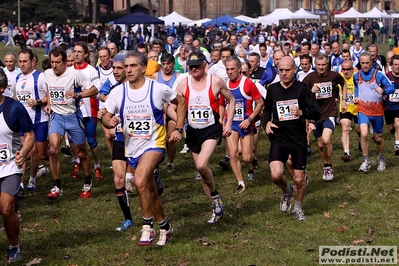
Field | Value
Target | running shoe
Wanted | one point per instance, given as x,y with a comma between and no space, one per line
98,173
31,185
55,193
86,191
345,157
396,150
299,215
76,170
251,176
185,149
197,177
170,168
365,166
158,181
129,185
14,254
66,150
285,203
147,235
381,165
224,163
41,172
240,189
164,236
125,225
328,174
218,209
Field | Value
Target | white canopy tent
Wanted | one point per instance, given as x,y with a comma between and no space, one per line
199,22
375,13
248,19
176,18
351,13
276,15
395,15
302,13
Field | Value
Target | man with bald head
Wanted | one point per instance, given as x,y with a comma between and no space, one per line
288,104
271,74
113,49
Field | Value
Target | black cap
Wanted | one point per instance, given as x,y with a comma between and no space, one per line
196,59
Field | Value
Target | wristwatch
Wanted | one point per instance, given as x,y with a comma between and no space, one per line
249,119
79,95
39,102
179,129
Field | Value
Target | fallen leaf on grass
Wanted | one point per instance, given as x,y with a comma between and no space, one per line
358,241
397,189
342,228
183,263
36,224
134,238
126,255
370,231
343,204
26,229
270,247
348,188
327,215
352,212
239,206
204,241
55,220
34,262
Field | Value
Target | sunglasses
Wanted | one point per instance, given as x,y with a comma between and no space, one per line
346,69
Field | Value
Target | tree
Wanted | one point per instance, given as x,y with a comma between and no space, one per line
150,9
335,5
202,8
251,8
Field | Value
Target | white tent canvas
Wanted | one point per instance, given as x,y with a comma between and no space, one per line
276,15
395,15
351,13
199,22
375,13
302,13
248,19
176,18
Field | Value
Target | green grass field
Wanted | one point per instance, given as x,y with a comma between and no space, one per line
353,209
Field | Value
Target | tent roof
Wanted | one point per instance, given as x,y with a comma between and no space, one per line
176,18
247,19
199,22
278,14
138,18
302,13
395,15
375,13
351,13
223,19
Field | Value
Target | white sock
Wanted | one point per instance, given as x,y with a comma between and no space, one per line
97,165
77,160
21,185
33,179
129,176
241,183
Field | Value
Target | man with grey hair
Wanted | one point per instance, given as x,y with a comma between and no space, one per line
245,94
370,86
12,71
139,101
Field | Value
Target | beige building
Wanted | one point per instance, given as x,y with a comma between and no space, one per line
214,8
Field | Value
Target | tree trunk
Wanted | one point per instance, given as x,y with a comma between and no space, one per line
170,6
202,9
96,11
150,10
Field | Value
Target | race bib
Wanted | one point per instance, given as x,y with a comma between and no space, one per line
239,112
199,114
5,155
349,97
23,96
324,91
139,126
57,95
394,97
83,100
284,109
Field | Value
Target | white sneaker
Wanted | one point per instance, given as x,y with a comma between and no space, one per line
164,236
328,174
41,172
285,203
31,185
197,177
129,185
299,215
185,149
381,165
147,235
365,166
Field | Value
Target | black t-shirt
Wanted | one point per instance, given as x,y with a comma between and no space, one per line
290,133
